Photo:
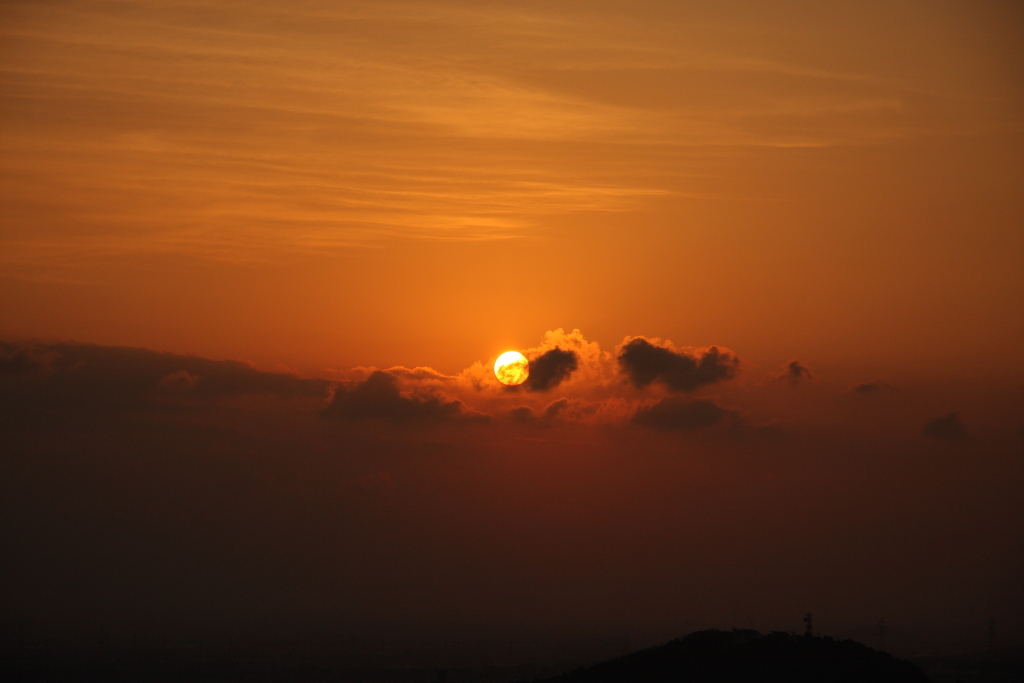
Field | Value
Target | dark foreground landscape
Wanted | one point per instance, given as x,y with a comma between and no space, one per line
738,656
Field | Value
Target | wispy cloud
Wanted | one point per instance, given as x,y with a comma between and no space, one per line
247,130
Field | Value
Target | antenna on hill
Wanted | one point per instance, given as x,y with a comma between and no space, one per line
991,637
881,634
807,620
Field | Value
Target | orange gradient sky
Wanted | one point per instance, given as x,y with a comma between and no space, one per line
328,184
766,261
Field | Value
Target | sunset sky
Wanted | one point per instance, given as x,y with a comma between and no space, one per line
257,260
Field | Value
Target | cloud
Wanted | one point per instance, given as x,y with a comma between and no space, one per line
555,407
948,427
676,412
645,363
523,414
379,397
593,366
420,374
39,379
527,415
563,359
549,369
182,380
16,359
794,371
875,387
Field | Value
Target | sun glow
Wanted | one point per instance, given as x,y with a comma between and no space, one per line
511,368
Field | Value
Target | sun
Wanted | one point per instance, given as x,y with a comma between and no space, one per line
511,368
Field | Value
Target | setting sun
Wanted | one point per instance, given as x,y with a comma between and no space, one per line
511,368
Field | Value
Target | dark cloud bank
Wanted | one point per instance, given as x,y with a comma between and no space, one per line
71,380
176,498
380,398
676,412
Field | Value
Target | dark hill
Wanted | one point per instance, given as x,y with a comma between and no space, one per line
749,657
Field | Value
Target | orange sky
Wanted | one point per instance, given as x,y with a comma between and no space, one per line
828,194
332,184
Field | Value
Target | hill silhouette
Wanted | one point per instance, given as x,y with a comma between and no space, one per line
741,656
